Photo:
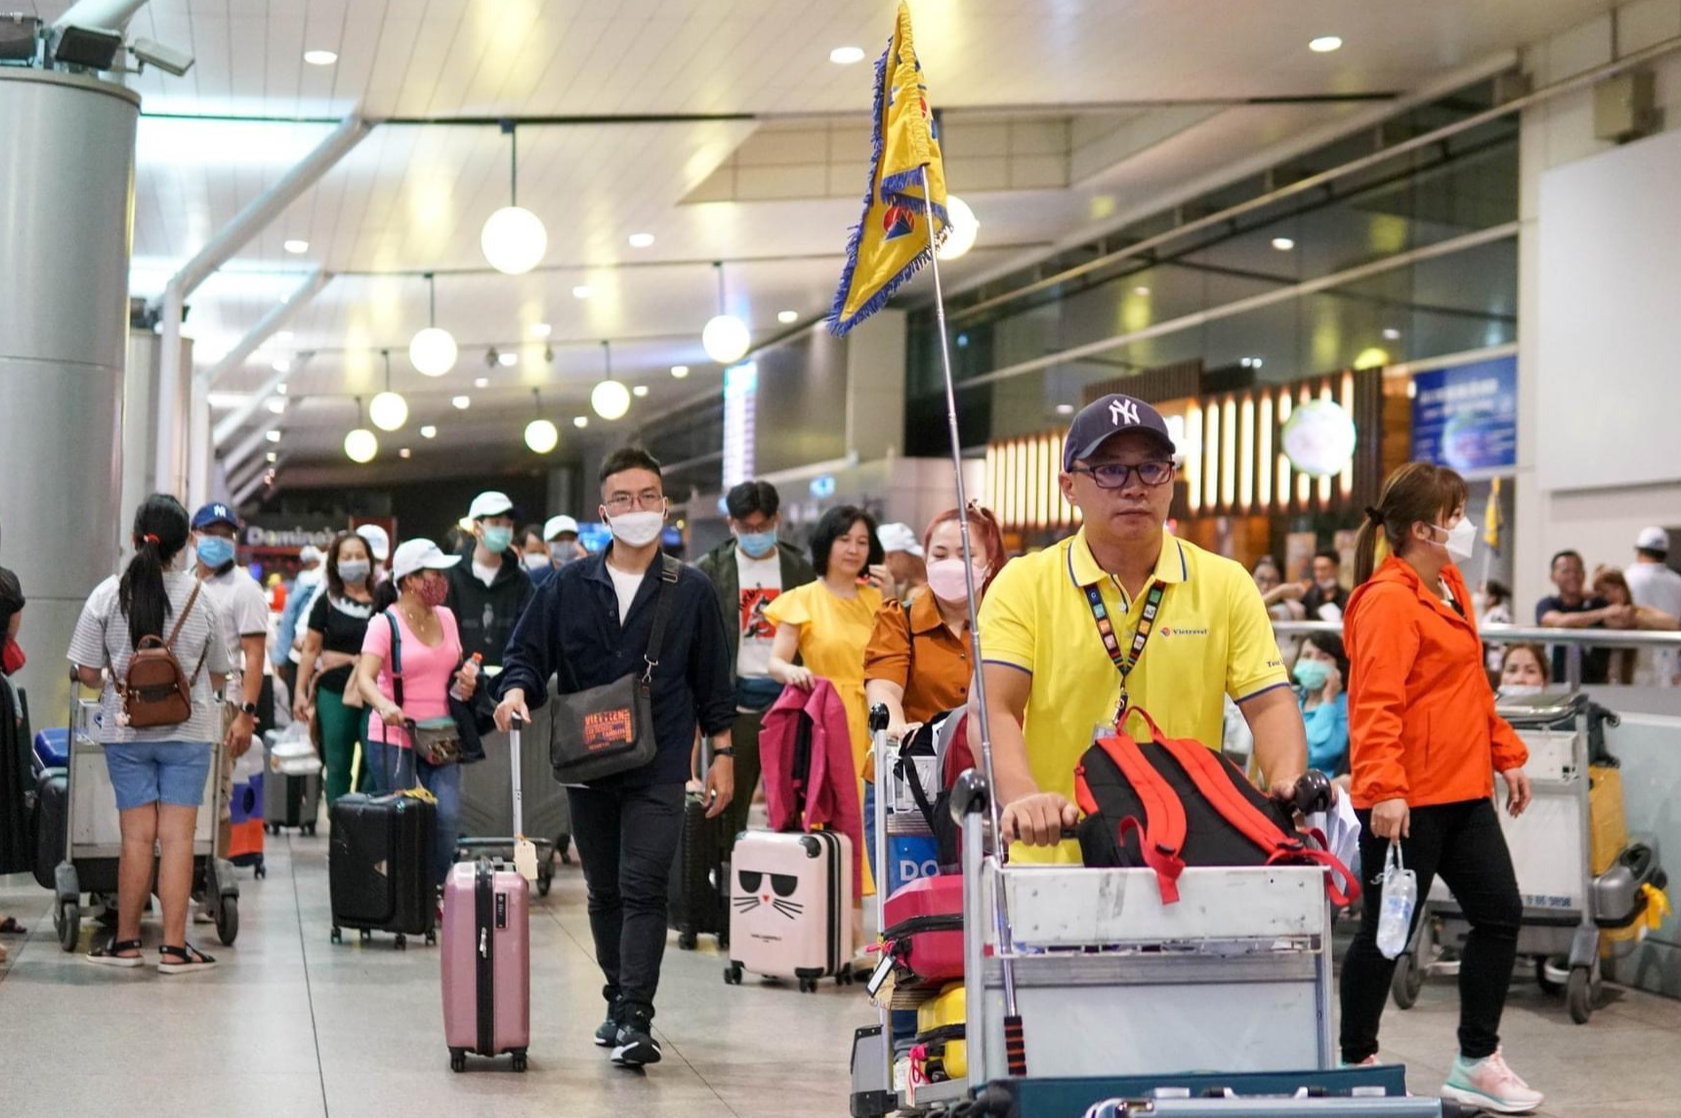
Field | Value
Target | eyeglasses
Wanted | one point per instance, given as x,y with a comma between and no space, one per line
1117,475
624,502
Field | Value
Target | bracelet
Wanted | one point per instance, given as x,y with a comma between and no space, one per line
727,751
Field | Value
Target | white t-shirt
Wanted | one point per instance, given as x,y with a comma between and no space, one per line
487,575
102,636
625,584
761,582
242,611
1655,586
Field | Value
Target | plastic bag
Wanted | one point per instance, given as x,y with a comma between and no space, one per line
293,753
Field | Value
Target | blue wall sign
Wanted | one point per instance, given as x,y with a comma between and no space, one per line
1466,417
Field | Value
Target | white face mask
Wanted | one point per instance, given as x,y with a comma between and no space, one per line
1514,690
1461,542
536,561
637,529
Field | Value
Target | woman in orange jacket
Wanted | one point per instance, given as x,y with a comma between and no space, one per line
1424,745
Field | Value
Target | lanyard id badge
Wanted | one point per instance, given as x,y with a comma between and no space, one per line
1125,662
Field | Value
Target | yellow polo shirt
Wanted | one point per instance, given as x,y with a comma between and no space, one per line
1212,638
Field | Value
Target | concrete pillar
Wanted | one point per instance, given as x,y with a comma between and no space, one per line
68,199
875,387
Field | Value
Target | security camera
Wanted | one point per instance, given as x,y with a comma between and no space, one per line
166,58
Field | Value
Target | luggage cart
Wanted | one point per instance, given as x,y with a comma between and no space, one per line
1551,846
94,841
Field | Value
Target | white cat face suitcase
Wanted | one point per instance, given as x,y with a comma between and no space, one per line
790,906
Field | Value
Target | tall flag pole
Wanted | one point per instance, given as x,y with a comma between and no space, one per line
907,183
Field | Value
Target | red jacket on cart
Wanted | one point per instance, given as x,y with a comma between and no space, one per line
811,726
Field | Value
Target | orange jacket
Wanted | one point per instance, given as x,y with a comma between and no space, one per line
1421,715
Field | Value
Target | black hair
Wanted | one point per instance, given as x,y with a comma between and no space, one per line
11,598
1497,591
529,532
160,532
753,496
335,581
628,458
1331,645
1567,553
1657,555
1328,553
385,595
836,523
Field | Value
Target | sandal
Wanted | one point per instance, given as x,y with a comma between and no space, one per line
10,927
112,954
188,959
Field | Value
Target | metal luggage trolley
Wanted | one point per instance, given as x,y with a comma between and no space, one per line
94,841
1551,845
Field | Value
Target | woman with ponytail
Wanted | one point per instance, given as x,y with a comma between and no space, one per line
158,773
1424,746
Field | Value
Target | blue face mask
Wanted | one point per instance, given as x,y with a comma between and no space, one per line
497,540
757,545
1311,674
215,552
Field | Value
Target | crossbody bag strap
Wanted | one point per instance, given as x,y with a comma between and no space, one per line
396,659
669,569
1125,662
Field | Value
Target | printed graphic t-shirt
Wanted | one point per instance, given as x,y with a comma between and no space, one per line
761,583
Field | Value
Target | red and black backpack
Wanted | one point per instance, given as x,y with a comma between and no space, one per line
1171,803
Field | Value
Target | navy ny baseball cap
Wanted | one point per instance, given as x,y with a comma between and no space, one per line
1104,418
214,513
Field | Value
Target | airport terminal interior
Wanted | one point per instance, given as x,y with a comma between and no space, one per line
625,371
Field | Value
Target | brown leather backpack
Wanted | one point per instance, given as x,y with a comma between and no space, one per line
155,691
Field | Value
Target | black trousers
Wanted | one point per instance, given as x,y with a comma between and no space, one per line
1462,843
627,841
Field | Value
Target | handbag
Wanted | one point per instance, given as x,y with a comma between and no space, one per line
437,741
606,730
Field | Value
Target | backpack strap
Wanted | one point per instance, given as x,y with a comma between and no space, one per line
1162,834
396,658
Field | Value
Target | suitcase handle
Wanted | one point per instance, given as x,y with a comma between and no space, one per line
515,726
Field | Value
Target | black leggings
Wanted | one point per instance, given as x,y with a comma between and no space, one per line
1463,844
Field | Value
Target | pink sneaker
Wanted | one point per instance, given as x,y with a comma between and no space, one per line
1491,1085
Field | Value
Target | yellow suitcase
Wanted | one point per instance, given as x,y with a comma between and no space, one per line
940,1032
1608,826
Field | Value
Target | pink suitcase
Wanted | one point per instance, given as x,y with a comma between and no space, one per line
486,955
791,907
925,930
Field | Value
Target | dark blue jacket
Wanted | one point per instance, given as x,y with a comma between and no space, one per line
571,630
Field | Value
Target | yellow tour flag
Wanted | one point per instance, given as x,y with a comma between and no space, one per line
891,241
1493,519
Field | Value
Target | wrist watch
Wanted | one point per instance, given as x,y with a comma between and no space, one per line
727,751
246,708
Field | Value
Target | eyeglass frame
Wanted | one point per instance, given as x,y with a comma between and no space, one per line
620,503
1128,472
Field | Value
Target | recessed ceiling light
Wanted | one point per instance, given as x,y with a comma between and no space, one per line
320,57
1283,244
404,453
1141,290
461,403
1325,44
276,404
582,291
541,329
1065,409
272,436
296,247
284,336
786,317
679,371
846,56
580,421
428,432
280,388
1391,334
641,240
482,382
639,390
507,358
271,456
282,364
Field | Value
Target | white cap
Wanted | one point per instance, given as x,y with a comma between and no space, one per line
899,537
378,542
415,555
558,524
490,503
309,553
1652,539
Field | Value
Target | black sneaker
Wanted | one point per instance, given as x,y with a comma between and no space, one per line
636,1046
608,1034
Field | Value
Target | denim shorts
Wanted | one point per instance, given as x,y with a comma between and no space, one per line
169,772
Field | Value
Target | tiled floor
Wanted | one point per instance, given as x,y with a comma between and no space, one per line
291,1025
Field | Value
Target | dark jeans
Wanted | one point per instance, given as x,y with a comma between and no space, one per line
627,841
1463,844
744,739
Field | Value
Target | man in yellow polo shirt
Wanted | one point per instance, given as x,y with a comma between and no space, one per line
1061,630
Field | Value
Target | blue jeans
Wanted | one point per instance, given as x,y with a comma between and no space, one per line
396,768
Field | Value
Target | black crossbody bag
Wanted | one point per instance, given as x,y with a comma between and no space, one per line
607,730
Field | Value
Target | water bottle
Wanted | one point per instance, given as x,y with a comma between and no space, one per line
471,670
1400,894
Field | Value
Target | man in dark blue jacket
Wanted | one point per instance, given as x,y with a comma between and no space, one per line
590,625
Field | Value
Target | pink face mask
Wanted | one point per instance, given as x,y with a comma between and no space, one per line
946,581
433,591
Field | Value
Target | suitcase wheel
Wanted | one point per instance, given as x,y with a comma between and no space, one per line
431,938
67,922
337,936
732,975
402,943
687,941
227,921
309,829
519,1061
458,1059
808,985
262,870
545,881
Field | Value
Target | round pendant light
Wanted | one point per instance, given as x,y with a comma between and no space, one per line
388,410
432,351
513,239
725,338
361,444
961,233
541,435
610,398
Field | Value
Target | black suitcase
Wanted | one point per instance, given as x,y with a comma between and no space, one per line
379,866
50,824
697,895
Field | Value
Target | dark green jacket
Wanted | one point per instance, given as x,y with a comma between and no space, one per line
718,565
